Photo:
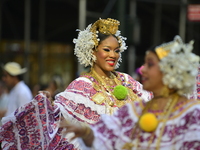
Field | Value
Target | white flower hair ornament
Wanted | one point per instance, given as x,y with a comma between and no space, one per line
88,40
179,65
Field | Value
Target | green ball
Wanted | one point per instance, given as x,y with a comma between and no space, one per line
120,92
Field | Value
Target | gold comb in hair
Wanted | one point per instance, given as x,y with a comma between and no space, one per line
164,49
104,26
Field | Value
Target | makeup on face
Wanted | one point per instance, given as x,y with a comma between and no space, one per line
107,55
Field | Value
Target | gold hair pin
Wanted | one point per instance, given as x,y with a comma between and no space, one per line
104,26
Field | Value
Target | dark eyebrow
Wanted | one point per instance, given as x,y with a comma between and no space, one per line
148,59
110,47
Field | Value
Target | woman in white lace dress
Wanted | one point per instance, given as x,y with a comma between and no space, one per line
170,121
100,91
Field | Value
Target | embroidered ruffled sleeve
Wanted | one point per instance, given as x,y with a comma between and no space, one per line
111,132
34,125
76,102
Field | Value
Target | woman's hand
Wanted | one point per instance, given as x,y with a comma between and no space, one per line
77,130
48,95
83,131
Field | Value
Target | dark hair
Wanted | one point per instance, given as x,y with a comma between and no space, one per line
104,36
19,77
153,49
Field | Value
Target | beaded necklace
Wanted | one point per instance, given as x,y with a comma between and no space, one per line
165,115
107,88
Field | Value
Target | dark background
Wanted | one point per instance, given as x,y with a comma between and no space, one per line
57,21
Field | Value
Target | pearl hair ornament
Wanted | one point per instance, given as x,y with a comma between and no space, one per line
88,40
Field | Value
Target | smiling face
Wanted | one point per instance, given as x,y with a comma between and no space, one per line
107,54
151,74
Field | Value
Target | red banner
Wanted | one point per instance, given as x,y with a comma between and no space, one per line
193,12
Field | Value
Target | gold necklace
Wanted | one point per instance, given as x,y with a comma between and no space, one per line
166,113
173,103
109,79
117,102
100,80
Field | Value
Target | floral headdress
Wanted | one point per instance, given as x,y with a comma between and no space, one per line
178,64
88,39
